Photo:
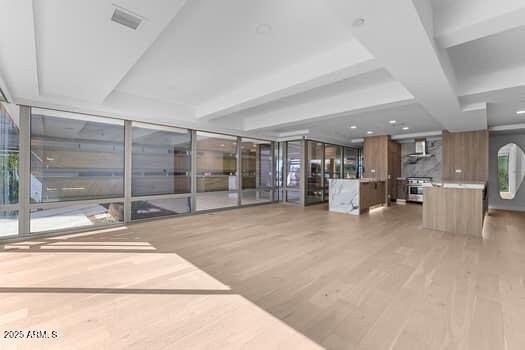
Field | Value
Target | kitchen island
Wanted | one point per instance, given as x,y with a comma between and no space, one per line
457,207
355,196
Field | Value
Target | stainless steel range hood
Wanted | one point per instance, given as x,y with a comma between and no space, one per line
421,149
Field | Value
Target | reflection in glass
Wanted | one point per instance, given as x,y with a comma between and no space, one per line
314,154
216,171
511,170
75,157
350,163
293,164
278,194
76,216
9,147
256,170
293,197
159,207
332,165
8,223
255,196
293,171
161,160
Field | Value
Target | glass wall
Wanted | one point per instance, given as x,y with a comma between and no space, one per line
75,157
75,216
161,167
293,171
152,208
161,160
216,171
256,171
314,172
279,168
332,165
350,163
9,168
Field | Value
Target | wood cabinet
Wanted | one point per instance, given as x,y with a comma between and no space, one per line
382,161
375,155
401,189
454,210
394,168
466,156
371,194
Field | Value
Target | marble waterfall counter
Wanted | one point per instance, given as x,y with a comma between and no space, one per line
353,196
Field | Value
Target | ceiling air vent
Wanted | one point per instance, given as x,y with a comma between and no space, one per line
126,18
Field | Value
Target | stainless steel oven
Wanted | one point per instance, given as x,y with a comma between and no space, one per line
415,188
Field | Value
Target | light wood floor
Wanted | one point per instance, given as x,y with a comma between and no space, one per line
271,277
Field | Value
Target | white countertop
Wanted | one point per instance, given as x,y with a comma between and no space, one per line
360,180
463,185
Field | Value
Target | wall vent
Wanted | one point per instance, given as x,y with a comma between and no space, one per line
126,18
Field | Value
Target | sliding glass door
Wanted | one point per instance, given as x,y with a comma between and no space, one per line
293,171
217,182
256,171
314,172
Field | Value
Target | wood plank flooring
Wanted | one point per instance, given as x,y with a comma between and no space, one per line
272,277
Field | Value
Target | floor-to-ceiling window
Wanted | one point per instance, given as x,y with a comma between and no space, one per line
217,182
84,170
293,171
350,163
314,172
161,171
78,159
9,168
332,165
256,171
278,171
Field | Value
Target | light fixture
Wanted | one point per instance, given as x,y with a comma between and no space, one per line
222,144
521,112
369,132
358,22
393,121
263,29
353,127
405,128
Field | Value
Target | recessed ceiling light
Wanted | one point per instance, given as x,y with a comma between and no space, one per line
353,127
520,112
222,144
369,132
263,29
406,128
358,22
393,121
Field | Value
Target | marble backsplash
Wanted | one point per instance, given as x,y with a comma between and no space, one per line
422,166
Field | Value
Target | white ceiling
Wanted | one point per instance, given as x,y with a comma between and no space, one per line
431,64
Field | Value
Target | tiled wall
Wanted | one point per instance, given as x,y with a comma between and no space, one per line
422,166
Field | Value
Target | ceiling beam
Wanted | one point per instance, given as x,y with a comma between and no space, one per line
329,106
18,61
400,37
467,20
341,63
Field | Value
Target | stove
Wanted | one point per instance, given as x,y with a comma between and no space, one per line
415,188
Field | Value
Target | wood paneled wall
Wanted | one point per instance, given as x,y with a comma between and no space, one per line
466,156
382,160
375,155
